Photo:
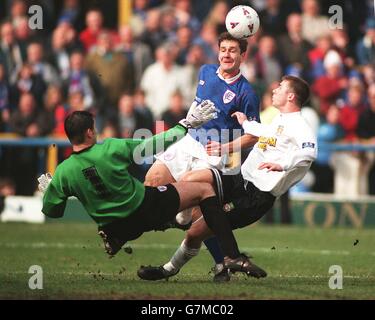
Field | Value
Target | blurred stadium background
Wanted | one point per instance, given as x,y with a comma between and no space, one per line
134,63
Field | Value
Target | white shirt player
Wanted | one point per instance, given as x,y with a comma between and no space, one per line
288,141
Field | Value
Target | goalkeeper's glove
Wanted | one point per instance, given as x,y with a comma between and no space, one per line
199,114
44,181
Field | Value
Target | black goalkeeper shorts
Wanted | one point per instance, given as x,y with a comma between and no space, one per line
159,206
244,205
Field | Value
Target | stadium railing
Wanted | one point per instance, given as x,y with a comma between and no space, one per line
53,143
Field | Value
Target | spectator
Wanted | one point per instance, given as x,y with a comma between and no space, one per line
365,48
25,121
45,70
368,72
316,56
152,35
71,12
194,60
329,131
129,118
207,40
76,103
23,33
267,61
110,130
4,100
54,113
27,82
80,79
94,26
184,41
18,10
293,48
142,108
12,53
168,23
330,87
176,111
161,79
112,68
217,16
350,112
341,44
63,43
366,130
183,12
138,17
137,53
314,25
272,18
366,123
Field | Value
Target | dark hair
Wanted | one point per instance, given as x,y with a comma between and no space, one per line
76,124
299,87
227,36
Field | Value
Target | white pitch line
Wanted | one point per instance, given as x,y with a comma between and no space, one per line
59,245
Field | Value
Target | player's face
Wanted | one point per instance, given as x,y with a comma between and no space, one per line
230,57
280,94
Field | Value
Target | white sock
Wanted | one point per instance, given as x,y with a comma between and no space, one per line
184,217
182,255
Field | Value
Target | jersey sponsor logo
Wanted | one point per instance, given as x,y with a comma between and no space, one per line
162,188
264,142
308,145
201,82
228,96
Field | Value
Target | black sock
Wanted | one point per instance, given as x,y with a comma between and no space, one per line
217,221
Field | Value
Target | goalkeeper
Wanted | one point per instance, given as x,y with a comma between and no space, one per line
97,174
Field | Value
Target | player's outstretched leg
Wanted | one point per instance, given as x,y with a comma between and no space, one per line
182,255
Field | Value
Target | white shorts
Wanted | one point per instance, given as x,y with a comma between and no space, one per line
188,154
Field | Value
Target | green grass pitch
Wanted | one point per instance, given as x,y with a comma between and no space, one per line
74,265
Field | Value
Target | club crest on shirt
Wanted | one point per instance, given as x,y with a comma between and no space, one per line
228,96
169,155
279,130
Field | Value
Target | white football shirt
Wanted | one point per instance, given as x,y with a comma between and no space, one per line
288,141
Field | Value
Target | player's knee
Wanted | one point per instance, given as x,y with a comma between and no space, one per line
152,180
188,177
206,190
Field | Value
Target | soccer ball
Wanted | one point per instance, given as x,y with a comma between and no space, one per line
242,22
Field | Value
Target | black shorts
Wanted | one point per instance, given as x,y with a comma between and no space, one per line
244,205
159,206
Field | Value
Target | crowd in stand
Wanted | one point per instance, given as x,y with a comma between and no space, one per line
147,69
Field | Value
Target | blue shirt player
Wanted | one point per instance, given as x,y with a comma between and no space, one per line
212,145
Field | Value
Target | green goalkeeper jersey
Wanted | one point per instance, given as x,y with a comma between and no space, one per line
98,176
